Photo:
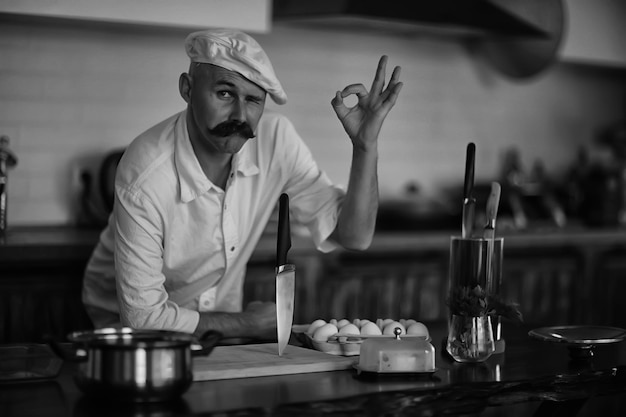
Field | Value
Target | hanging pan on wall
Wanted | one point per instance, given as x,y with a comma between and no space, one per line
524,57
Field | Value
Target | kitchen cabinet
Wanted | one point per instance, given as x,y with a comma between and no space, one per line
544,283
608,289
406,284
41,281
595,32
40,300
251,15
560,277
557,277
41,271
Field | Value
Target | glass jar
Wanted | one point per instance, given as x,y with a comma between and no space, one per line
470,339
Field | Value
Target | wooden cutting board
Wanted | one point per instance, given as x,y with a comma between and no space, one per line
226,362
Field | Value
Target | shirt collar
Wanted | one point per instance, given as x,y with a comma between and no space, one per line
193,182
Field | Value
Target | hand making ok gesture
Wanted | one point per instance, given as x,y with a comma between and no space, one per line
364,121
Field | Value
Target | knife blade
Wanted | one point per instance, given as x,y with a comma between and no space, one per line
490,232
468,186
285,277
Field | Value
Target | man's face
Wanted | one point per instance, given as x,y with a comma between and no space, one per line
225,107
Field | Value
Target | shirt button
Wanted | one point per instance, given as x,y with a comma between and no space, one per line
231,174
232,249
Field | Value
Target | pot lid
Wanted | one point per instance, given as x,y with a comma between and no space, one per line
126,336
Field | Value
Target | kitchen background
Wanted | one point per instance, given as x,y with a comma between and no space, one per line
80,79
72,91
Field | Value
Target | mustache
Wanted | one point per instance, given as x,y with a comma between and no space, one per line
233,127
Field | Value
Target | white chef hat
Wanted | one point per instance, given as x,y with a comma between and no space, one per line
236,51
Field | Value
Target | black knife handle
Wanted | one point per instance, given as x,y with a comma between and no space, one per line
469,170
284,231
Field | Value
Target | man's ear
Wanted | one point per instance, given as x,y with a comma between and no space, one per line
184,87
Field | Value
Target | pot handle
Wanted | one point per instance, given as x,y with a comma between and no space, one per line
207,342
77,356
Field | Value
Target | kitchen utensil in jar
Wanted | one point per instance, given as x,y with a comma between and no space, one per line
492,283
490,231
468,185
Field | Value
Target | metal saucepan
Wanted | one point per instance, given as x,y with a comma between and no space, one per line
135,365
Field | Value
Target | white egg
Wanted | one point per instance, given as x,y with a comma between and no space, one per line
324,332
370,328
418,329
313,326
409,322
390,327
349,329
342,323
379,323
363,322
357,322
333,321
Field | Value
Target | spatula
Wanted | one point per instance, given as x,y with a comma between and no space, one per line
490,231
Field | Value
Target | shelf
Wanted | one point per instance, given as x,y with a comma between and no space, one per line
250,15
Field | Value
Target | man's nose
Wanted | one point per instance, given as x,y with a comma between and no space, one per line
238,111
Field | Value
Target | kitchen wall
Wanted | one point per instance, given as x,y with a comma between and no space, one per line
71,93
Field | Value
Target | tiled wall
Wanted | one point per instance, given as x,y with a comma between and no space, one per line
69,94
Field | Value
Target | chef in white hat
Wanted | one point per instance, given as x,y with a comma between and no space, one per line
194,193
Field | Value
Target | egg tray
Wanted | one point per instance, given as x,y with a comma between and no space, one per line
336,346
343,345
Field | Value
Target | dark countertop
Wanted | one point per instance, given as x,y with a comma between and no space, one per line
530,372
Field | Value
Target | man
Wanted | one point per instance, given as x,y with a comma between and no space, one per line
193,194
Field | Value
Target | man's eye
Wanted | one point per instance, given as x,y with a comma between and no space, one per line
225,94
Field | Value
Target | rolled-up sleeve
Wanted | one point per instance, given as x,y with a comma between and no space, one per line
142,297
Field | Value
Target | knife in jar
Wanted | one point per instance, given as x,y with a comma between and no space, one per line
285,277
468,185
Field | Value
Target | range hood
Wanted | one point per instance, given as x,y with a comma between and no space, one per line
481,17
519,38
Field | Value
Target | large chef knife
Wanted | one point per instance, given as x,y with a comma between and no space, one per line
468,200
285,276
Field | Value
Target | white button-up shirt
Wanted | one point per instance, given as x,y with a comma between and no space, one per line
180,243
